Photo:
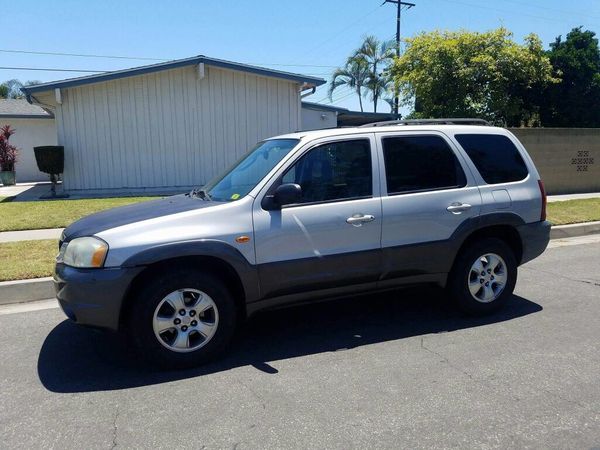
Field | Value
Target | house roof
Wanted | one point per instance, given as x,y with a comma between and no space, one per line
321,107
357,118
21,109
347,118
106,76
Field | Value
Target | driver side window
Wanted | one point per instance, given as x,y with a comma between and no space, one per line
334,171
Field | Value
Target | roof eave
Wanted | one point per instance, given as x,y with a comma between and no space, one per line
25,116
102,77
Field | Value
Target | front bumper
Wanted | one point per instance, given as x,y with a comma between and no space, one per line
535,237
93,296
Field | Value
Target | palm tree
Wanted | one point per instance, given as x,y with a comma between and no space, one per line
377,55
354,75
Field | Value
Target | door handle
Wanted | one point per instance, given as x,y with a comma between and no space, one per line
358,219
458,207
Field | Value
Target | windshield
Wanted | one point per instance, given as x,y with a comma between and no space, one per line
241,178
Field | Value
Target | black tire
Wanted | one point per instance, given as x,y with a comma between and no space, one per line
458,281
140,323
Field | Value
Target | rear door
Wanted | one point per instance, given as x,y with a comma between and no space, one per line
331,238
427,193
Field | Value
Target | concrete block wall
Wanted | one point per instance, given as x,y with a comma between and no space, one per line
568,159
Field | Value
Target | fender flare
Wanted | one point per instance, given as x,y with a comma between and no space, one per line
474,224
247,272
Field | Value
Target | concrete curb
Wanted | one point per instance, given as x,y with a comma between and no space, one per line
21,291
574,230
42,288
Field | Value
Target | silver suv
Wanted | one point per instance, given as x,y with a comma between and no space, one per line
304,216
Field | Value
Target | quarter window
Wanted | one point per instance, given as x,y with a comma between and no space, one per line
420,163
334,171
495,156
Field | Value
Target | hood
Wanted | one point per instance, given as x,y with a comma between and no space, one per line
137,212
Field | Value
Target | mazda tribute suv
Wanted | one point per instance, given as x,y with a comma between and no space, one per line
307,216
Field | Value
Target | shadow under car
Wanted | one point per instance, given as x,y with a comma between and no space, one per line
77,359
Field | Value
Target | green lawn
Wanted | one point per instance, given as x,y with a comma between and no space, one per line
54,213
574,211
35,259
27,259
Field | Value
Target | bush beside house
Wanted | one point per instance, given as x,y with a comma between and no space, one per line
8,156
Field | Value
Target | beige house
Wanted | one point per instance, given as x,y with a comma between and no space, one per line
167,126
34,126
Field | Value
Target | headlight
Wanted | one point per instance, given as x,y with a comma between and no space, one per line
85,252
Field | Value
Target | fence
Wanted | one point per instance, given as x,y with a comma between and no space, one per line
567,158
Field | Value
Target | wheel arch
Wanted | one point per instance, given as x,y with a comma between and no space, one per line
214,257
504,232
496,225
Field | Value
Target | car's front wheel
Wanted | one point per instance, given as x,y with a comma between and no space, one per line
484,276
183,318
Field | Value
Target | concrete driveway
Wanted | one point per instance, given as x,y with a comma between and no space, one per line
401,370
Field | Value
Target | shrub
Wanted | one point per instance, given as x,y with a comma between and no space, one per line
8,152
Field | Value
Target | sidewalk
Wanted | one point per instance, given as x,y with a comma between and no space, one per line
30,235
33,191
24,192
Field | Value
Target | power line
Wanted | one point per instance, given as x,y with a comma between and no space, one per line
141,58
343,98
81,55
348,89
520,13
46,69
560,11
362,17
291,65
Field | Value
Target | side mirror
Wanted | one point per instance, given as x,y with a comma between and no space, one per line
285,194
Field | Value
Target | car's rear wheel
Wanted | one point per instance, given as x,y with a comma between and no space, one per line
182,318
484,276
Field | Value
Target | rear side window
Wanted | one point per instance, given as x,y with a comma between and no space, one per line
420,163
495,156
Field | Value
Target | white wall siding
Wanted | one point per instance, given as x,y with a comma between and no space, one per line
168,129
313,119
30,133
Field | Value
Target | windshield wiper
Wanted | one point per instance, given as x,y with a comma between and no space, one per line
197,192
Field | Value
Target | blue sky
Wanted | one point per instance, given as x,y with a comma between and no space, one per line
310,37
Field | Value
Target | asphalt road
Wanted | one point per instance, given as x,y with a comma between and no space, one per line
402,370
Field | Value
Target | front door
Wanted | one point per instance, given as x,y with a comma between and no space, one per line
331,238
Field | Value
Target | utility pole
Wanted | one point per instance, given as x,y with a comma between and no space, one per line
399,5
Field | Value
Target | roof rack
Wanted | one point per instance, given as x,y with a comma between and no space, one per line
458,121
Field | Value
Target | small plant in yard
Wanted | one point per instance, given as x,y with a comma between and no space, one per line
8,156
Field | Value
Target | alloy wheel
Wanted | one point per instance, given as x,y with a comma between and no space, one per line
185,320
487,278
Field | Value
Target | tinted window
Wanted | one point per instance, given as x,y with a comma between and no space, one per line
339,170
495,156
418,163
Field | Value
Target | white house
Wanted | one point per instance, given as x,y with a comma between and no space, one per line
34,126
167,126
316,116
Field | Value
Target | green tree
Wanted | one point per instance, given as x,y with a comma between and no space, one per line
12,88
575,101
470,74
353,75
378,56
